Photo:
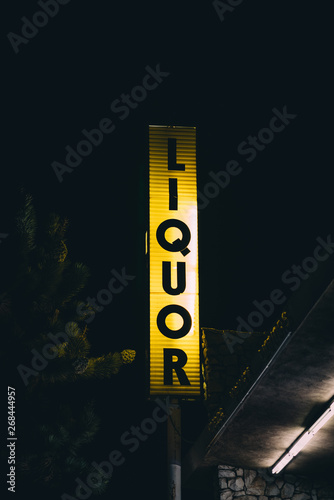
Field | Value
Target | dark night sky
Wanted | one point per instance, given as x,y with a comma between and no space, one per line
225,78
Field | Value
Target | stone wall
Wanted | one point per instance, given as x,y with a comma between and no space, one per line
245,484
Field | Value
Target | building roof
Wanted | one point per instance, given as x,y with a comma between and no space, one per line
288,384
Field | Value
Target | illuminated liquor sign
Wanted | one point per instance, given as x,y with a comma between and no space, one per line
173,262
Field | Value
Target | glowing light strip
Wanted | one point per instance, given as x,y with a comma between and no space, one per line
303,440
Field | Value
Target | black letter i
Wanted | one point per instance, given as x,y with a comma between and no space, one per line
172,194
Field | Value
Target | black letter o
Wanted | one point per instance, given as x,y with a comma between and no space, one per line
167,332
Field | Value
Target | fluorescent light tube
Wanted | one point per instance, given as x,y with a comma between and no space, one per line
303,440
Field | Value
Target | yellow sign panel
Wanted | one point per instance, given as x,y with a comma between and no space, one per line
173,262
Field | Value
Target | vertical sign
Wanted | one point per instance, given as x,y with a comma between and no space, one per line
173,262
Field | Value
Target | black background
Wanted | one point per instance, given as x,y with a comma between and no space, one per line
225,79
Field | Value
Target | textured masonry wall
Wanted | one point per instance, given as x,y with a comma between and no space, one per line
246,484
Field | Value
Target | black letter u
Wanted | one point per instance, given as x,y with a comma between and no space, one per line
167,281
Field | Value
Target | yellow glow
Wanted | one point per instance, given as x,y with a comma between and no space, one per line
186,212
174,321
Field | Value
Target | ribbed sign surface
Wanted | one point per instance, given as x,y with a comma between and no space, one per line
173,262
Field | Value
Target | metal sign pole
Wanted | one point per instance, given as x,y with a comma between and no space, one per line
174,451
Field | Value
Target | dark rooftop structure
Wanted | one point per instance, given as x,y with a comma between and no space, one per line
273,386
